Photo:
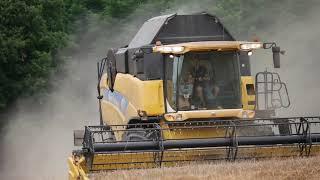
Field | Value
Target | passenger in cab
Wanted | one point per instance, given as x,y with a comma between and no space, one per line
185,92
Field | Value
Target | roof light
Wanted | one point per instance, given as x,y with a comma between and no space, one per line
249,53
168,49
249,46
177,49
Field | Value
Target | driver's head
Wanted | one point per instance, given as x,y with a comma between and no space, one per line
189,78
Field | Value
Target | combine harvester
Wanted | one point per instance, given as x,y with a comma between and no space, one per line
182,91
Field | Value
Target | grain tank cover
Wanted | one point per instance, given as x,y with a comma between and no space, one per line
175,28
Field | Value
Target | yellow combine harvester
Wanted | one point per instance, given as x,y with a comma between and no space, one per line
182,91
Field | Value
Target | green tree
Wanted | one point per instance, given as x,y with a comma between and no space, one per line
30,34
121,8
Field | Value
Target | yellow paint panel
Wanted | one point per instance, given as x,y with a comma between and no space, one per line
224,113
143,95
111,114
180,157
245,97
190,133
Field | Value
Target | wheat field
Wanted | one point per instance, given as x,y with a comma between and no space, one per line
286,169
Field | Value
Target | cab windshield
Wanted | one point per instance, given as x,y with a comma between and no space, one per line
202,80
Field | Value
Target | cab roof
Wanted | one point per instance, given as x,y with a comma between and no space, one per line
174,28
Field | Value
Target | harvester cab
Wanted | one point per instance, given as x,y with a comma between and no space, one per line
182,91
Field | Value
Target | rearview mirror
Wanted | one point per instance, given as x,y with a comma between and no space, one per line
276,56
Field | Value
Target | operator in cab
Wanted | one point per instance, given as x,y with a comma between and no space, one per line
198,90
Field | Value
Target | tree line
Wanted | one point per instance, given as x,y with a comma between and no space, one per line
33,31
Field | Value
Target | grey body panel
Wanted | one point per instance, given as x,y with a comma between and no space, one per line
149,31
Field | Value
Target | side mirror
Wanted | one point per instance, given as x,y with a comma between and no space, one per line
276,56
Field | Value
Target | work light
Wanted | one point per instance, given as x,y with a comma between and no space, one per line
249,46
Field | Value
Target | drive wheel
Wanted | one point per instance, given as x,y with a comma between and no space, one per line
139,134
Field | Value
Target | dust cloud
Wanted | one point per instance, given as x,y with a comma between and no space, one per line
300,65
37,139
38,136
